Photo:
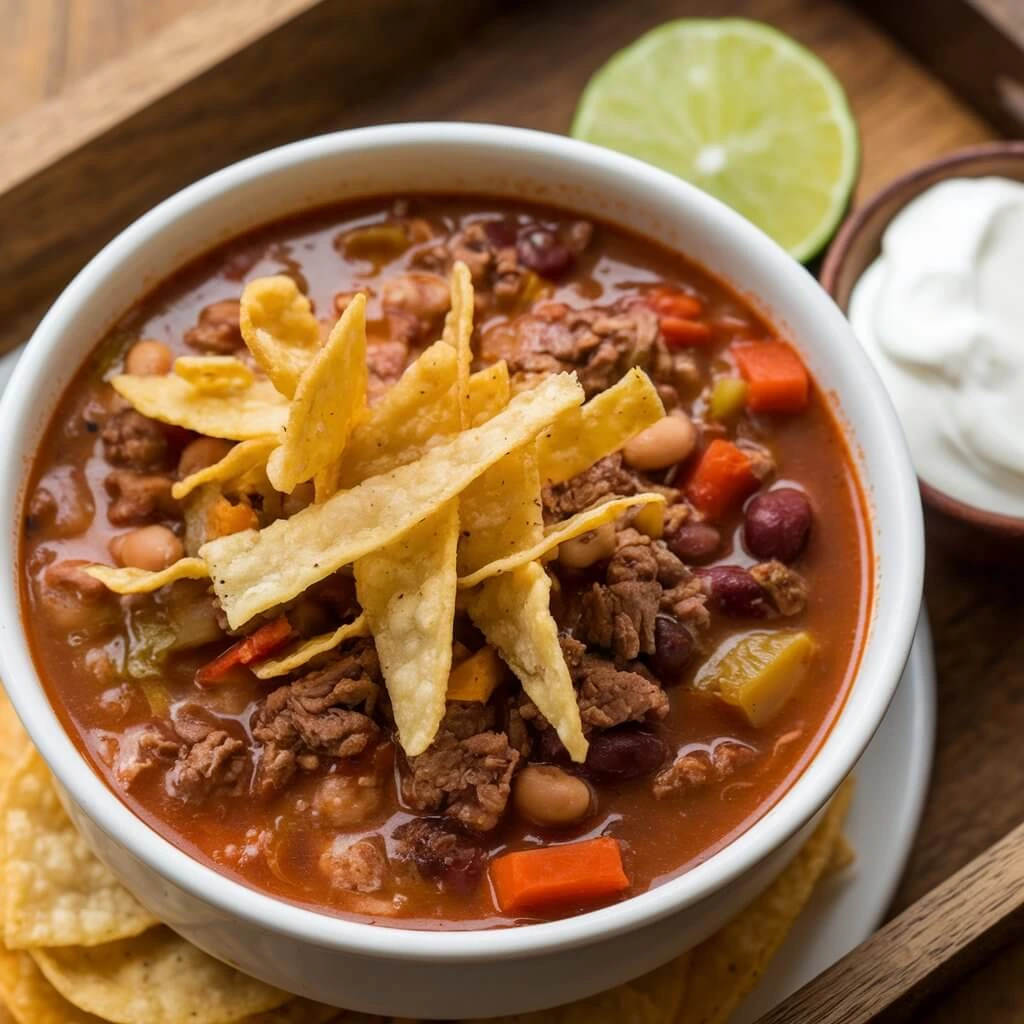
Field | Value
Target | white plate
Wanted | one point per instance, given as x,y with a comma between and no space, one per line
892,780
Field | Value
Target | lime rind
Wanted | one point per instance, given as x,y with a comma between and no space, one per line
739,109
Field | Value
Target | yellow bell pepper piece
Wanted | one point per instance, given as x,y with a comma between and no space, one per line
476,677
728,396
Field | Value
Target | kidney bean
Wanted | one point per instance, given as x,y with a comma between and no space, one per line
776,524
550,748
442,853
500,233
735,592
539,249
694,542
621,754
673,646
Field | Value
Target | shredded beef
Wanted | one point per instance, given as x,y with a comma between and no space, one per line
140,749
466,772
215,763
441,852
133,441
358,867
313,718
218,329
697,768
604,478
139,497
786,588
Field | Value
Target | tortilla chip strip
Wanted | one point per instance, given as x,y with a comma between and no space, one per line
329,400
578,438
279,329
724,968
214,375
458,332
407,592
55,892
306,650
256,411
254,571
243,457
559,533
140,581
31,998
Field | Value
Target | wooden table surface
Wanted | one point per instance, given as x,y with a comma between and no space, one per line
525,65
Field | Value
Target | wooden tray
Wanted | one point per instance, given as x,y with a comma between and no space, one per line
222,80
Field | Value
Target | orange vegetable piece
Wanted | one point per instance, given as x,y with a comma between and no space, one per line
255,647
680,333
224,518
670,302
777,378
723,478
576,873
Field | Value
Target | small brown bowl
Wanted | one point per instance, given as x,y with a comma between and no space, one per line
854,249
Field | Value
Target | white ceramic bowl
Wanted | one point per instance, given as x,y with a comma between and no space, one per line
434,973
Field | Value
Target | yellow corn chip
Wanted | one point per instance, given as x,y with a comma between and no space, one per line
329,400
30,998
306,650
55,892
214,375
727,966
488,393
842,856
254,570
279,329
304,1011
458,332
158,978
559,533
140,581
578,438
242,458
14,740
256,411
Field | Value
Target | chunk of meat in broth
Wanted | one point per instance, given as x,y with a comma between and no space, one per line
218,330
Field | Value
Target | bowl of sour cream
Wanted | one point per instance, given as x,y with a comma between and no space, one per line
930,273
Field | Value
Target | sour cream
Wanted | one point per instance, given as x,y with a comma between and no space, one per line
941,312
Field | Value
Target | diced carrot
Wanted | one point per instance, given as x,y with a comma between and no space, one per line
577,873
475,678
258,645
680,333
777,378
670,302
723,478
223,518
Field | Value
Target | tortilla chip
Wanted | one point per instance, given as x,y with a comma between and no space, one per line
158,978
306,650
14,740
304,1011
727,966
559,533
842,857
30,998
254,571
329,399
256,411
458,332
488,393
55,891
129,580
240,460
214,375
407,592
279,329
579,437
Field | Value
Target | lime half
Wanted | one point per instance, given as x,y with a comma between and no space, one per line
740,110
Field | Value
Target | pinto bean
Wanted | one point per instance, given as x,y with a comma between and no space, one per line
150,547
776,524
663,444
148,358
694,542
621,754
583,551
546,795
200,453
735,592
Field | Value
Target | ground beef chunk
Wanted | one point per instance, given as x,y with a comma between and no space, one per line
314,718
425,296
215,763
466,772
786,588
385,361
139,497
600,344
697,768
440,852
519,738
70,575
762,462
357,867
604,478
140,749
218,329
134,441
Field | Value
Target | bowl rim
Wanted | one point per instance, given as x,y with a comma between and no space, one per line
848,736
946,166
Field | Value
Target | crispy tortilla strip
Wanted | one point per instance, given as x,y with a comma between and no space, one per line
158,978
458,332
254,570
30,998
842,856
305,651
329,400
407,592
214,375
305,1011
489,392
558,533
242,458
279,329
578,438
14,740
141,581
727,966
514,612
256,411
55,892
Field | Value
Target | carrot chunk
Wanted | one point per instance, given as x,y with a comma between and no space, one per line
777,378
669,302
258,645
576,873
680,333
723,478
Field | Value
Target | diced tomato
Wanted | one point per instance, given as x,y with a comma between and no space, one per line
723,478
258,645
777,379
